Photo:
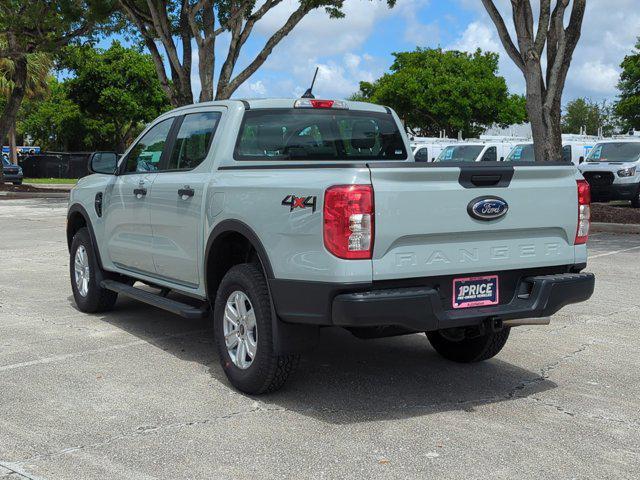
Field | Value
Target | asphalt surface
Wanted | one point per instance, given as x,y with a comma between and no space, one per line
138,394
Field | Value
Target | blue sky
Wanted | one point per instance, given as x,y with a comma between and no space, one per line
360,46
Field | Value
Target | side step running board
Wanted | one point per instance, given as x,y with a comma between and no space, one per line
173,306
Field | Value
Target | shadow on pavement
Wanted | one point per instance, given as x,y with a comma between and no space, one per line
348,380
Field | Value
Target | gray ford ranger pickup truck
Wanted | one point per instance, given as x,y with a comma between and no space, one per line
278,217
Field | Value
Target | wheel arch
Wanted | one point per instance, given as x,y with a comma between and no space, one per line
77,218
222,233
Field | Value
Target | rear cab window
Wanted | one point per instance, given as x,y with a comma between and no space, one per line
318,134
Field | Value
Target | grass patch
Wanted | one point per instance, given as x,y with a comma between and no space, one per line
51,180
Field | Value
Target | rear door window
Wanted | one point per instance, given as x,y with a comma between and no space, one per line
193,140
300,134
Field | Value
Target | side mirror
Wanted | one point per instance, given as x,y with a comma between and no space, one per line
103,162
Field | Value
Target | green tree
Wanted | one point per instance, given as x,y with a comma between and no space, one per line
38,67
117,88
434,90
55,122
628,105
582,113
32,26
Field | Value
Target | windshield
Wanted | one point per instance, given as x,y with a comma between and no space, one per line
522,153
314,134
461,153
615,152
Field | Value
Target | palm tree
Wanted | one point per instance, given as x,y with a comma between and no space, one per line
39,66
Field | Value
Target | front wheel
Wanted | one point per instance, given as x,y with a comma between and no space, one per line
243,328
85,274
454,345
635,202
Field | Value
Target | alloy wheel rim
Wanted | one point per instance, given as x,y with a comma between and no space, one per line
240,330
82,270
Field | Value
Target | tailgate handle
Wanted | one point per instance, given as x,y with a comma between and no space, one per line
485,180
478,176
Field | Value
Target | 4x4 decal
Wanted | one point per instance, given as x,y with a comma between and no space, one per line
293,202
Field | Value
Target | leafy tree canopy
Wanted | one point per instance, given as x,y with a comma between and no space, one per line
116,87
628,105
584,113
55,123
434,90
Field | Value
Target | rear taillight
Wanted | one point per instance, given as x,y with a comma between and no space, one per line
584,212
349,221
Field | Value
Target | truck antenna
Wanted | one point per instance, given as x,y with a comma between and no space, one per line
309,92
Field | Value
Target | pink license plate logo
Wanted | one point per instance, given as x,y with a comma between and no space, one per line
475,292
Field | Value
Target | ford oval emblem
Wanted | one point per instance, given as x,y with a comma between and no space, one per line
488,208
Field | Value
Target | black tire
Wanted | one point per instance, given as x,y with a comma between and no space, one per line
635,202
97,299
268,371
18,182
469,350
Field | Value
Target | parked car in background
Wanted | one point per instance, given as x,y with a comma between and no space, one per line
12,172
426,149
612,169
475,152
427,152
573,151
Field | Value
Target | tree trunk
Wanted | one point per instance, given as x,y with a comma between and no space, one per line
13,147
8,117
206,65
544,93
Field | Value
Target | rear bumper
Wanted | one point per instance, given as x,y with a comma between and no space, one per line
615,191
12,177
422,309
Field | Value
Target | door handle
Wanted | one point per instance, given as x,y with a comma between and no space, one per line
186,192
139,192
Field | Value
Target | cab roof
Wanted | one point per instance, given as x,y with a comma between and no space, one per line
263,103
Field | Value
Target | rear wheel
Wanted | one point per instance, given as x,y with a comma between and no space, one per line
242,321
86,275
456,346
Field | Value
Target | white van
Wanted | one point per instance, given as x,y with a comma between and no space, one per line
427,152
476,152
612,169
572,151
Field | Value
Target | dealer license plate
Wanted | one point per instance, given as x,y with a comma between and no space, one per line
475,291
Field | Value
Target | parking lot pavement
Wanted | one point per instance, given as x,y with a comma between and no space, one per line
137,393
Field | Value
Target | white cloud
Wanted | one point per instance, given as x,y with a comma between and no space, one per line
258,88
477,35
596,77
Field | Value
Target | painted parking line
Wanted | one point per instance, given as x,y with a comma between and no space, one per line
615,252
68,356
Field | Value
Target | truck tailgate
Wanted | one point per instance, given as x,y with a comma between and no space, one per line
423,228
